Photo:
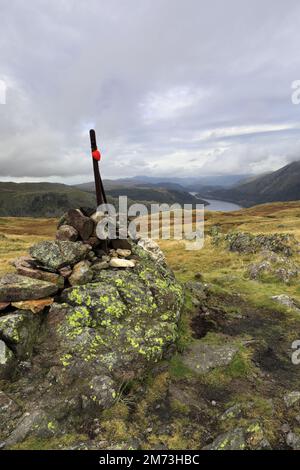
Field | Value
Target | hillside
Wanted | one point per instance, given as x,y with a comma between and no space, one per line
53,199
145,192
280,185
40,199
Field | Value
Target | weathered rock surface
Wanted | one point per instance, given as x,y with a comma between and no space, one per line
231,440
250,437
14,287
81,273
19,330
100,335
67,233
4,305
123,253
287,301
42,275
34,306
122,263
244,242
6,357
202,357
293,440
291,398
153,249
76,219
57,254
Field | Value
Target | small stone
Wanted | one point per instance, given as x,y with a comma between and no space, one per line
84,225
66,271
23,261
285,428
291,398
123,253
153,249
67,233
214,403
14,287
4,305
122,263
293,440
35,306
81,274
99,266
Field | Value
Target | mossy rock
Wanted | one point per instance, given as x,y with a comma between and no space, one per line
96,338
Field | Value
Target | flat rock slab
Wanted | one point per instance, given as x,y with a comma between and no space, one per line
14,287
42,275
201,357
57,254
35,306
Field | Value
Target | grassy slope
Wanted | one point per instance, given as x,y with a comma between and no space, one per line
174,405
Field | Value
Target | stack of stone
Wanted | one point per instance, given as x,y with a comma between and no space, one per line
74,258
108,312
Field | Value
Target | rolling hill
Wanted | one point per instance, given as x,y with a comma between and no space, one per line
280,185
145,192
40,199
53,199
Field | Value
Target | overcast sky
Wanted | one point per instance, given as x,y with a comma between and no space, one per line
172,87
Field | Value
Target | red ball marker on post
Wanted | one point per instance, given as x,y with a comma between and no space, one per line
100,193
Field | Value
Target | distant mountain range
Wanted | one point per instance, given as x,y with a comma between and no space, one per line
280,185
53,199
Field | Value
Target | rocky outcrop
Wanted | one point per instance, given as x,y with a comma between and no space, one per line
68,349
244,242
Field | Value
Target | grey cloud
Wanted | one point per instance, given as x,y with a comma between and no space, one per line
151,77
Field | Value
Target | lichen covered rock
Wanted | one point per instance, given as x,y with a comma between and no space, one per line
101,334
14,287
57,254
19,330
244,242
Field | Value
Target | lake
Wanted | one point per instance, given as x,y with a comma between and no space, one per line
215,205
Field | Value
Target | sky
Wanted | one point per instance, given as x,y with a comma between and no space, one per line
172,87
